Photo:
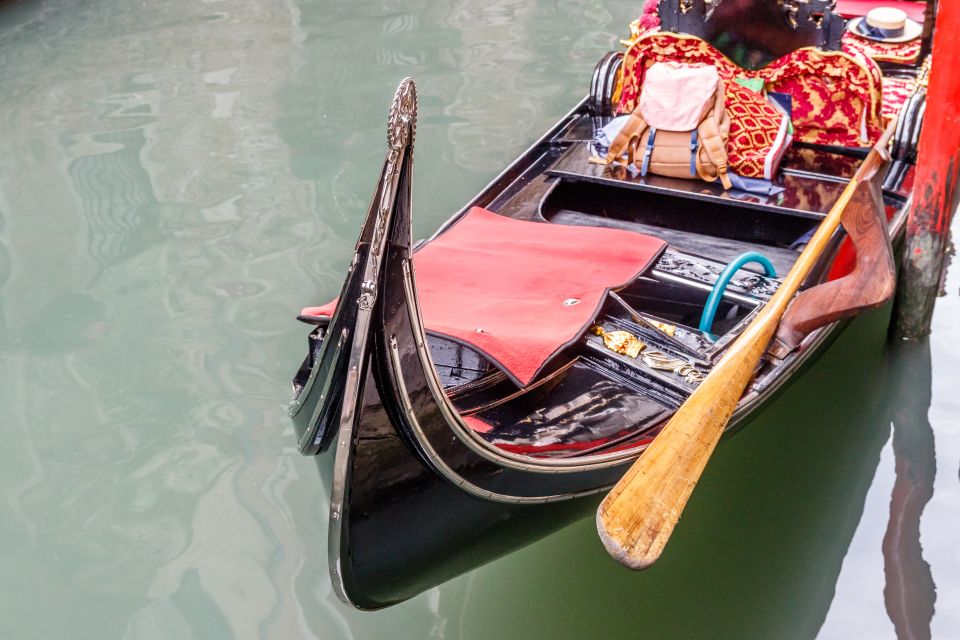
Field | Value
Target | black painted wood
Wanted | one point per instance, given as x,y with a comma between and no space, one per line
755,32
800,190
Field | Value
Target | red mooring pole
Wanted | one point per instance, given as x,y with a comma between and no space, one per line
935,192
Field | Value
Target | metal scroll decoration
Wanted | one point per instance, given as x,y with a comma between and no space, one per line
663,362
401,130
402,127
707,273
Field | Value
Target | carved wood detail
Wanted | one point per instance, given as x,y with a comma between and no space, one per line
869,285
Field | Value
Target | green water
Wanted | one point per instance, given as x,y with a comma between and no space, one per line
177,179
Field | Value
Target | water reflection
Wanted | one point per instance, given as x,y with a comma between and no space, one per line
910,593
763,544
116,196
149,225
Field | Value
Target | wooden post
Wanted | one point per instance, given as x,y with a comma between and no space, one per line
935,192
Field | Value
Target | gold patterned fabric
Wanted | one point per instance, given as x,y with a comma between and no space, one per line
895,94
758,133
836,94
895,52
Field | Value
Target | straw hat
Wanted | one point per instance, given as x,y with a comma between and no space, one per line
886,24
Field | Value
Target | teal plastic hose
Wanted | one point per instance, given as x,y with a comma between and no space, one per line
710,309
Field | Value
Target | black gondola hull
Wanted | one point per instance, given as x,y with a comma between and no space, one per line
417,498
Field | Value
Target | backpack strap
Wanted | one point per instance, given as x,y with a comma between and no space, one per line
632,150
713,144
648,152
634,127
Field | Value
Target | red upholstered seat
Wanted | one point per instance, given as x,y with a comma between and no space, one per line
519,292
857,8
897,53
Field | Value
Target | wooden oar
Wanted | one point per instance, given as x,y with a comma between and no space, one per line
636,518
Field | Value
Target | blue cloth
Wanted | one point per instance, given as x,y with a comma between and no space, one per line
606,135
754,185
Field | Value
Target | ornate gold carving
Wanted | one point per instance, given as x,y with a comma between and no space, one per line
622,342
923,76
625,343
663,362
668,329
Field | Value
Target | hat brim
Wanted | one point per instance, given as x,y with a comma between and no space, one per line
911,31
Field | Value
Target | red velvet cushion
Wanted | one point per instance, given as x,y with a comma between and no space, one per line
896,52
857,8
499,284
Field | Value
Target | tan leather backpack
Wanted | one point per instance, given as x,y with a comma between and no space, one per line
679,128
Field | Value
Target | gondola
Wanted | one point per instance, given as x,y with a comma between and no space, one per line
473,392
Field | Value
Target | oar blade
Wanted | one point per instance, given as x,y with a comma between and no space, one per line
638,516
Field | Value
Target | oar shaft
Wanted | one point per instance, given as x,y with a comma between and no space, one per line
636,518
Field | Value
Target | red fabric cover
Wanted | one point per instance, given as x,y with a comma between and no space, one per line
857,8
570,446
510,278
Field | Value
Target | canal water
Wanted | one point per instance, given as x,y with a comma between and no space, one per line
178,178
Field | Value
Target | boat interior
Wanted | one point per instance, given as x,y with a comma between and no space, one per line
723,253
